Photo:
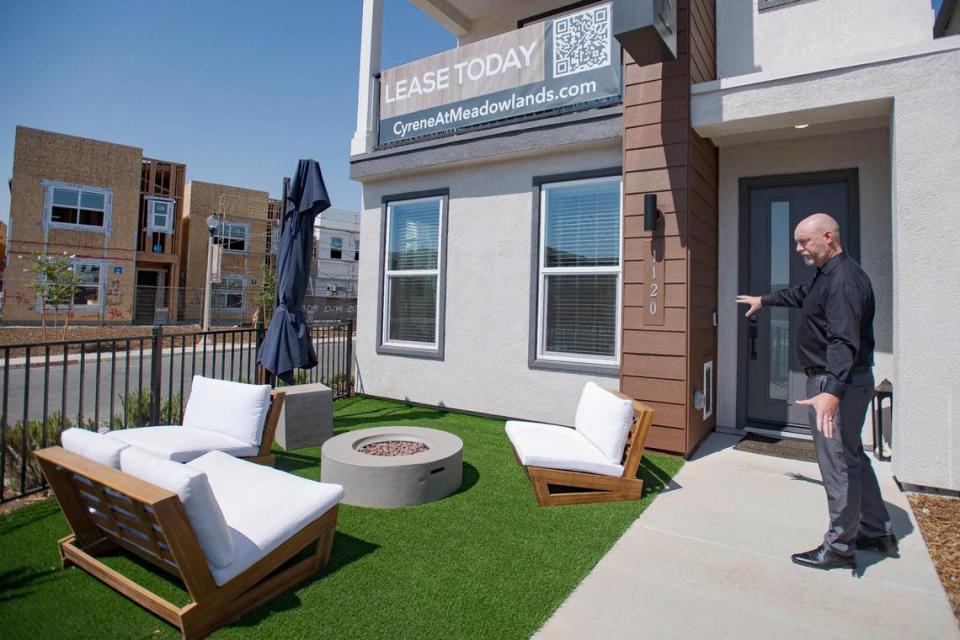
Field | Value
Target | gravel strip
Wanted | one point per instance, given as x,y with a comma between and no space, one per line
393,448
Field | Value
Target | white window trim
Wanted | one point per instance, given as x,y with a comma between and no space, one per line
340,248
543,272
387,273
246,237
101,290
50,185
171,212
217,295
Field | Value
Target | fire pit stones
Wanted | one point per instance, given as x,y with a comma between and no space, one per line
393,481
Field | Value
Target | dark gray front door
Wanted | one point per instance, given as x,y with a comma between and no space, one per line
774,379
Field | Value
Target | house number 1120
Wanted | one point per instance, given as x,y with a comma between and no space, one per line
654,284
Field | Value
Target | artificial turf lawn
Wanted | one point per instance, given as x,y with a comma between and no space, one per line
485,562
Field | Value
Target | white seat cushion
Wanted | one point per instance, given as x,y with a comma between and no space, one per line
604,419
181,444
203,512
263,507
232,408
92,445
555,447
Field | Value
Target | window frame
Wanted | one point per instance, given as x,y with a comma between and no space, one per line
339,249
538,357
434,350
218,237
215,295
763,5
48,188
101,290
151,227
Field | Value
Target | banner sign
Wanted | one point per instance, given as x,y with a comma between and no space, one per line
562,62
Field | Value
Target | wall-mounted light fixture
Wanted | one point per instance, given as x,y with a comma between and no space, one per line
650,213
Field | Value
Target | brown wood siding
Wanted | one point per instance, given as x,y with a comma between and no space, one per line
702,228
662,365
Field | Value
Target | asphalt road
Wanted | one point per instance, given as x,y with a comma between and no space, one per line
38,391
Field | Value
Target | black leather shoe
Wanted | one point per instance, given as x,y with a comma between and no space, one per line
886,544
823,558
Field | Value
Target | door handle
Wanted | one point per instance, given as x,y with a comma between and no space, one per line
753,331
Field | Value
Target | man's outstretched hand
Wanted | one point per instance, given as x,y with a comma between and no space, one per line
826,405
753,301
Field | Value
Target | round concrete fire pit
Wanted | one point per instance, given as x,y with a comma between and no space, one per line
389,477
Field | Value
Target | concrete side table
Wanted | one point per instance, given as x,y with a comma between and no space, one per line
306,419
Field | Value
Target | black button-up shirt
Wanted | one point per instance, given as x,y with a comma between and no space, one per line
836,332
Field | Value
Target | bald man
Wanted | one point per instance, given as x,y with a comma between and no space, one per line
835,343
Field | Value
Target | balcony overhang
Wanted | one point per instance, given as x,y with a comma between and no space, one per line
850,95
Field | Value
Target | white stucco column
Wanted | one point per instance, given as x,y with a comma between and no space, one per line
926,276
371,30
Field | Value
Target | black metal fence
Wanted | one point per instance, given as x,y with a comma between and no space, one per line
115,383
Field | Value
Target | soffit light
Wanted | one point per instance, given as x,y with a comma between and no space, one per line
802,125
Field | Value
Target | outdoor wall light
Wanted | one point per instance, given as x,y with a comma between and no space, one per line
650,213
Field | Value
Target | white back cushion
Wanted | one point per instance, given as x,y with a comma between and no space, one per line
192,486
232,408
604,419
92,445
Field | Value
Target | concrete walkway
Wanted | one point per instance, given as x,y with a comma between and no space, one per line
710,558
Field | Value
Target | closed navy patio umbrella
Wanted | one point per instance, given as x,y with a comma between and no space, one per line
287,345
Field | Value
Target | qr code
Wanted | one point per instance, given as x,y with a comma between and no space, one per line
581,41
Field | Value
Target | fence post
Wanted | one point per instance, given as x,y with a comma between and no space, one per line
156,373
350,357
261,372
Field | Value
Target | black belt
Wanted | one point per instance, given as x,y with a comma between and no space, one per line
816,371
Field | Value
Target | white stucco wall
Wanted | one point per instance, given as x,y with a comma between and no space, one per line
488,294
814,33
869,152
925,191
926,197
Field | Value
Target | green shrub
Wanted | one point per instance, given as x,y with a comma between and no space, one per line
14,442
136,405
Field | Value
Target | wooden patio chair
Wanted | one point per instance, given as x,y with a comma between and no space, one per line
565,467
108,508
232,417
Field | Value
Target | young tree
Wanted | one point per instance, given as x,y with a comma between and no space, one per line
54,282
266,299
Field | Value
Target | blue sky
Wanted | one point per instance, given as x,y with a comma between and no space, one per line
238,90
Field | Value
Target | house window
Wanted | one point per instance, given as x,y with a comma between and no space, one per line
336,248
160,215
232,236
413,278
356,249
77,207
86,295
228,293
578,312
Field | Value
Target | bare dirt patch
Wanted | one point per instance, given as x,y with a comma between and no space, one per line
939,520
19,503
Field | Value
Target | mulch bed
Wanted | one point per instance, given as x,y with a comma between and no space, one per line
789,448
939,520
